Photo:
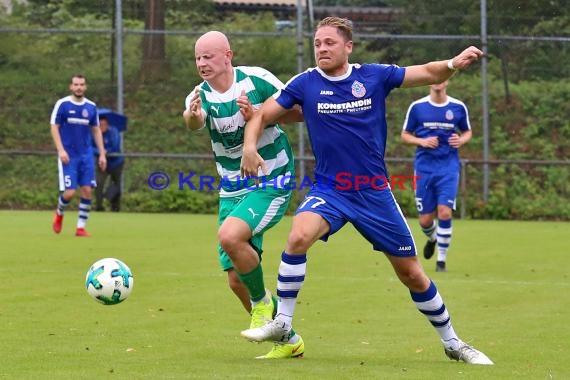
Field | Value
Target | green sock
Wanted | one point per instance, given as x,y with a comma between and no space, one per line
253,281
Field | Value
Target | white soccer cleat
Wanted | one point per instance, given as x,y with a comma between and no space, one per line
273,331
468,354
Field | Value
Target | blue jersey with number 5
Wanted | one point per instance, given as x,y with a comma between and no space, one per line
75,121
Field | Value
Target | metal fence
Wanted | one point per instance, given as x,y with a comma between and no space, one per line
112,59
42,176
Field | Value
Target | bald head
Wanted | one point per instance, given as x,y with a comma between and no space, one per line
214,60
213,40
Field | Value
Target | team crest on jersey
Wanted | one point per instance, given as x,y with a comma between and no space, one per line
449,115
85,113
358,89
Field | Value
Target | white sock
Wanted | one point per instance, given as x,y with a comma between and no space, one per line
444,231
289,282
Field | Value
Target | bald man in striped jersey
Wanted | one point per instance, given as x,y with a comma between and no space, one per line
222,104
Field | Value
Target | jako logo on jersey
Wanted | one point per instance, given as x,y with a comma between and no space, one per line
406,248
358,89
326,92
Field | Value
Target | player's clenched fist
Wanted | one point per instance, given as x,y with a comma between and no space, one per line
245,106
466,57
193,114
196,103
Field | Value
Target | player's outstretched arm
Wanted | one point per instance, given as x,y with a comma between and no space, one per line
439,71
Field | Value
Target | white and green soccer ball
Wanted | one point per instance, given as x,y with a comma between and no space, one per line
109,281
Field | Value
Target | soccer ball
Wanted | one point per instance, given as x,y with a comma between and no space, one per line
109,281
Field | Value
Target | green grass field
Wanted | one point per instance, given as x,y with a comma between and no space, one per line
507,290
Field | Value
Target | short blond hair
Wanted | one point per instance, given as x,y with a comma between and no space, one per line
343,26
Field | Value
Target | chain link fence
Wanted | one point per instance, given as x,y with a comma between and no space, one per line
519,108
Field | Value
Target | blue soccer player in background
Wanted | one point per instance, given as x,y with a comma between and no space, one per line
439,125
74,124
344,106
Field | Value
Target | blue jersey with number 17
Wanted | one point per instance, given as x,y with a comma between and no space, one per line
345,117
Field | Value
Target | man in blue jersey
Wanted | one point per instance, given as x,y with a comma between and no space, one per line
344,109
439,125
74,125
114,170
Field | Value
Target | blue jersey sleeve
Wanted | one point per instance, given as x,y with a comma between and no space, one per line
394,76
56,115
411,122
94,117
464,124
293,92
390,76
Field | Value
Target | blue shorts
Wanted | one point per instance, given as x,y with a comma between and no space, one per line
374,213
79,171
436,189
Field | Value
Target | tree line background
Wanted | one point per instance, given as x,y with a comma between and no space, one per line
42,43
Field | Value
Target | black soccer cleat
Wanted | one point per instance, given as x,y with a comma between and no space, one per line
440,266
429,249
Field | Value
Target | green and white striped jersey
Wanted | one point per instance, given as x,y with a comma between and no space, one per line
226,125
